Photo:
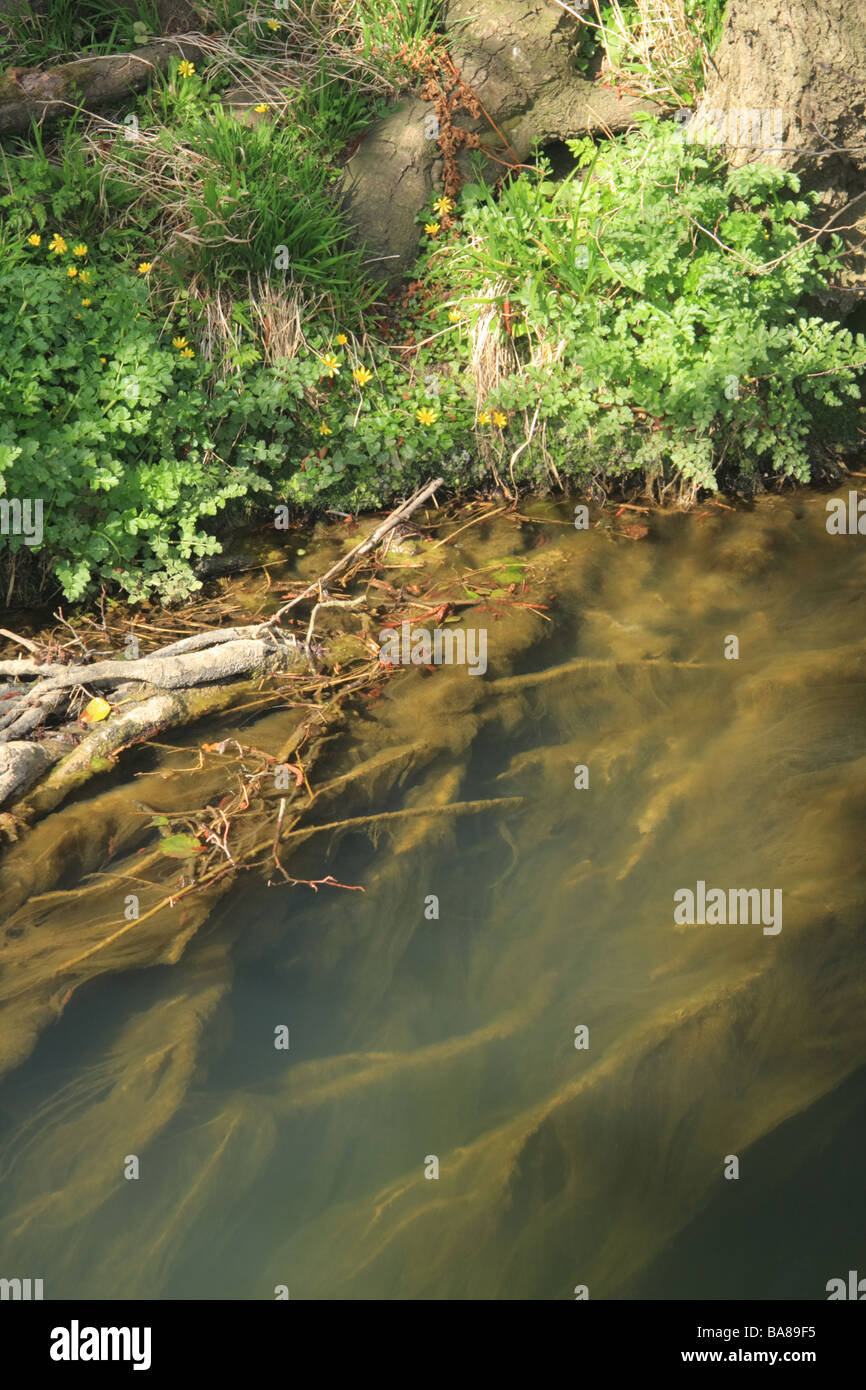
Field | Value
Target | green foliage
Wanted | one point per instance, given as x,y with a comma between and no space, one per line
102,421
656,321
73,26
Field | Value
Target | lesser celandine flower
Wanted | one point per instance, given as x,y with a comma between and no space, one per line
35,239
261,108
342,340
325,429
431,228
331,363
455,316
187,352
272,24
443,206
178,342
145,267
72,272
362,376
80,249
57,244
84,276
499,419
86,303
484,417
185,68
425,416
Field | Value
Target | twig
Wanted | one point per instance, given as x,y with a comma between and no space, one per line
406,509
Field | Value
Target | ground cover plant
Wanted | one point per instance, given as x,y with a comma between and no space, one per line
188,337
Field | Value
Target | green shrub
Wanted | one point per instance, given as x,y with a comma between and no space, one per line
655,319
102,420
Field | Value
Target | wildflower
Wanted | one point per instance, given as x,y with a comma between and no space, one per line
185,68
455,316
273,25
35,239
331,363
72,272
178,342
431,228
57,244
425,416
261,108
484,417
443,206
499,419
85,303
325,429
84,276
187,352
362,376
342,340
145,267
103,359
80,249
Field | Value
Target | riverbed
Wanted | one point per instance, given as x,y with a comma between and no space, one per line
504,1069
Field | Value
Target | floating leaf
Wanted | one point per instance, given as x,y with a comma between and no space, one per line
95,711
179,846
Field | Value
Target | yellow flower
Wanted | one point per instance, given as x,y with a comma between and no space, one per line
178,342
261,108
431,228
84,276
272,24
80,249
85,303
145,267
342,340
72,272
500,419
103,359
455,316
443,206
35,239
425,416
57,244
484,417
325,429
187,352
185,68
331,363
362,376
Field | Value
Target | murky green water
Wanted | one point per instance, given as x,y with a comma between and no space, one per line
414,1038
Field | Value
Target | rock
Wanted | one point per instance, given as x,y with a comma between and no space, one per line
516,56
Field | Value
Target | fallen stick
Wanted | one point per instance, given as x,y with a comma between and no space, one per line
400,514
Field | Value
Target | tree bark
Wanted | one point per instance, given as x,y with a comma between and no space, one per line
46,94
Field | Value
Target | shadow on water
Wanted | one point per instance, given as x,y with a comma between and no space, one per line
435,1016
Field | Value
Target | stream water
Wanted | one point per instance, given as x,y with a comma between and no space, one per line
580,1068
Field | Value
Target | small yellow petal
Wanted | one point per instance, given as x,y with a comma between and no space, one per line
35,239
